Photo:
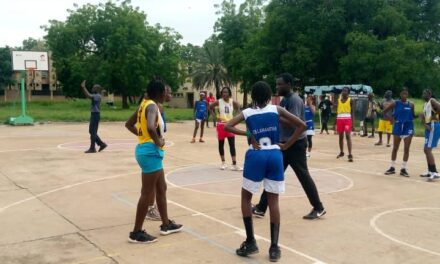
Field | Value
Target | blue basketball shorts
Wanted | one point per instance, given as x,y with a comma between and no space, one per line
432,136
403,129
264,166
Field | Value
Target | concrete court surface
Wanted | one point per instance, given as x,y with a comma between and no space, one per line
59,205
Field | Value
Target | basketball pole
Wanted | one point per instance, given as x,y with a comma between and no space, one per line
23,119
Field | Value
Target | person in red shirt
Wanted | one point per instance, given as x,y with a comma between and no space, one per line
210,99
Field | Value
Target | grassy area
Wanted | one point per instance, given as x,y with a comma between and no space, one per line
79,110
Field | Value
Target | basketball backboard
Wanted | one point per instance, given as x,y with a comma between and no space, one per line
24,60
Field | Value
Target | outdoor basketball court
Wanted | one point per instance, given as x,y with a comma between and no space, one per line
59,205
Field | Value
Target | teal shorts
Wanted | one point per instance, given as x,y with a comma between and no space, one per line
149,157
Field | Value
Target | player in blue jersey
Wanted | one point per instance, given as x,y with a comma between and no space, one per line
430,117
403,129
309,112
263,162
200,114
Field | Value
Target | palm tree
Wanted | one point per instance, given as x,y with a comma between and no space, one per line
210,69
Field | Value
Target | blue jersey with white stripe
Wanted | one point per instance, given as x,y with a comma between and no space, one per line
201,107
403,112
264,125
308,114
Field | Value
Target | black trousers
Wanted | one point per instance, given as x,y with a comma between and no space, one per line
324,121
366,121
93,130
295,156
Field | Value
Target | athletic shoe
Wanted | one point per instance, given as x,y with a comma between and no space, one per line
314,214
153,214
404,173
390,171
236,168
425,174
102,147
433,176
256,212
247,248
350,158
141,237
172,227
223,166
340,155
274,253
90,151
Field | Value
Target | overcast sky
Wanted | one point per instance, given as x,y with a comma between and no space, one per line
21,19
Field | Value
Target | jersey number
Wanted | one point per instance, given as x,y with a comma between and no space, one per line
226,109
265,141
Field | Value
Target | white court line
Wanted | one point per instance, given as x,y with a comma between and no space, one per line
210,182
315,260
378,230
63,188
184,187
188,189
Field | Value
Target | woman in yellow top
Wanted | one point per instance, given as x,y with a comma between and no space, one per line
226,107
344,122
147,124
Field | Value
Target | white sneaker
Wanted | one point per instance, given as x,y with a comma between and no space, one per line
425,174
153,214
223,166
433,176
236,168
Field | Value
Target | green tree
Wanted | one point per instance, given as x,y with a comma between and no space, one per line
383,43
32,44
112,44
6,67
238,29
210,69
190,56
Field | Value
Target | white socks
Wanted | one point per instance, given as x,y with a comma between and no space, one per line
393,163
404,165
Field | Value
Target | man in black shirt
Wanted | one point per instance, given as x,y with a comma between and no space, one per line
95,116
295,156
326,110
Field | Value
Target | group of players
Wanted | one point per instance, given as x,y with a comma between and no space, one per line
277,139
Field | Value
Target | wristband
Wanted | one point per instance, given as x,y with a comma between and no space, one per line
248,133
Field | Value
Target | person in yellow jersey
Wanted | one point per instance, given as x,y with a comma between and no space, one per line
344,122
226,107
147,124
153,213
